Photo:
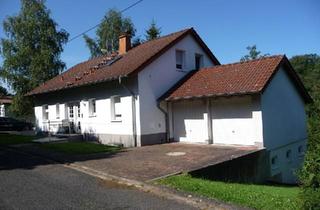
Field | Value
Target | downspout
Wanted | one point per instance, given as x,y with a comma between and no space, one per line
166,119
134,126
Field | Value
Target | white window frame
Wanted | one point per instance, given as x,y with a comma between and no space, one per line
115,117
45,112
92,107
183,59
70,107
57,111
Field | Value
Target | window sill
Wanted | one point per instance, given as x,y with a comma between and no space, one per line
91,116
116,120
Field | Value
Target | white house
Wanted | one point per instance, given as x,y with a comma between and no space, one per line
5,102
174,89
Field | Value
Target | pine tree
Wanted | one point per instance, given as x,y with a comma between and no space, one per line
153,32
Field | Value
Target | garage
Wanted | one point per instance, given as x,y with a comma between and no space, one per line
189,121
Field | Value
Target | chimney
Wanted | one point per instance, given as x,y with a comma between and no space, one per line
124,43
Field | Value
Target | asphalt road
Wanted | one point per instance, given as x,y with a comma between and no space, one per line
28,182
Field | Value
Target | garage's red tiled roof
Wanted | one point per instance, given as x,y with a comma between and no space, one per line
249,77
91,71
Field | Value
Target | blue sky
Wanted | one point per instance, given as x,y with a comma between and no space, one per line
288,27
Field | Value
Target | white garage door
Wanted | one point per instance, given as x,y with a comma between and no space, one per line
190,121
232,121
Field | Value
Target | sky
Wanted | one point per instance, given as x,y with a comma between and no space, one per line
290,27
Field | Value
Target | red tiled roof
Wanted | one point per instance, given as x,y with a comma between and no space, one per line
134,60
6,99
241,78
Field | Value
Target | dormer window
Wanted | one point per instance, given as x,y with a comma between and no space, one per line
180,59
198,61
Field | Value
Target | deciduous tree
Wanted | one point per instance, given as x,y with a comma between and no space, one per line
108,32
31,51
253,54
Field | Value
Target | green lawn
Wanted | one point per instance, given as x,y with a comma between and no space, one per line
249,195
10,139
80,147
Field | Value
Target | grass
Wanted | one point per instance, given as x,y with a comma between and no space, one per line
11,139
248,195
80,148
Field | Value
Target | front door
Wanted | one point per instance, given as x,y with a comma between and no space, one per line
74,116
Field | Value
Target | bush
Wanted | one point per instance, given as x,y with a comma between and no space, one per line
310,172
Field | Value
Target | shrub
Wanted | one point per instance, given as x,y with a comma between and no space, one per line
310,172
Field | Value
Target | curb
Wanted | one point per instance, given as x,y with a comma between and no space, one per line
149,188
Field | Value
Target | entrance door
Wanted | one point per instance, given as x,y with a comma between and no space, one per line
74,117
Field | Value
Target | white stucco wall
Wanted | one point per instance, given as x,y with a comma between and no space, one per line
161,75
284,127
101,124
283,112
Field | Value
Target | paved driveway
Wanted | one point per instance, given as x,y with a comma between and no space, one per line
29,182
150,162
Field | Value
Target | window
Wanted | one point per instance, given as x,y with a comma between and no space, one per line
92,107
57,111
198,61
300,150
2,110
274,162
116,108
71,111
45,112
180,57
288,155
78,110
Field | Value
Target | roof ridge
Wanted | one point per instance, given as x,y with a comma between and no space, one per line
167,35
241,62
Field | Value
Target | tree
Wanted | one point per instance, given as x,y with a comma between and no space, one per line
153,32
253,54
3,91
308,67
31,52
108,32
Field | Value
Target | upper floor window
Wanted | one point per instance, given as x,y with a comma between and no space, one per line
198,61
180,59
116,108
57,111
45,112
92,107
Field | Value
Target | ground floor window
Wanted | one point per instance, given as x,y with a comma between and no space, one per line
92,107
116,108
45,112
71,111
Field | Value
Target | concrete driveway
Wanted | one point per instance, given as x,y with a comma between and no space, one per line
151,162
